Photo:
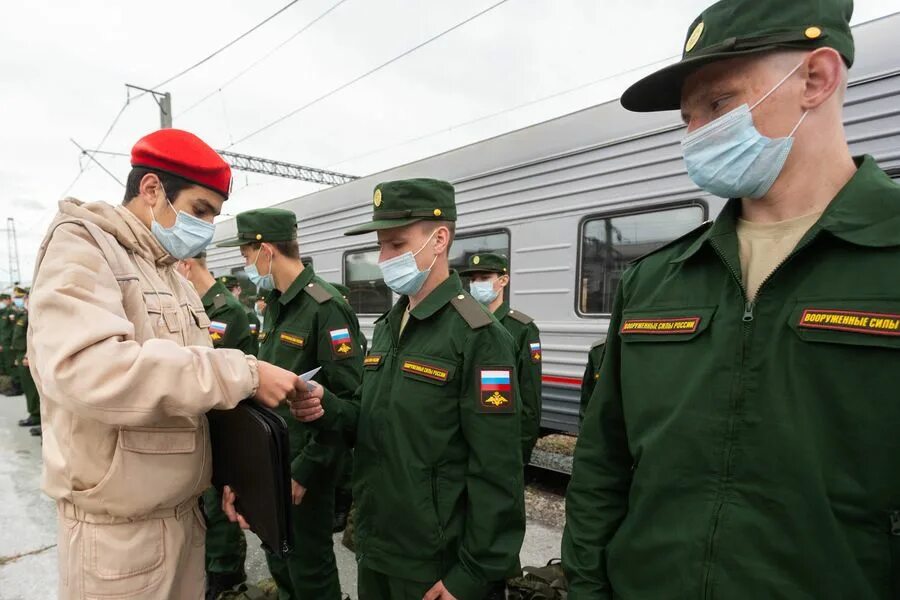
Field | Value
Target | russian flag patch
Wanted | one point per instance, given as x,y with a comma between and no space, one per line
341,342
496,393
217,331
536,353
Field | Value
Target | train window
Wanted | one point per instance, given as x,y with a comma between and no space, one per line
368,293
609,244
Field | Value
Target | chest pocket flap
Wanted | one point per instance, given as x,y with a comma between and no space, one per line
428,369
665,324
867,322
162,307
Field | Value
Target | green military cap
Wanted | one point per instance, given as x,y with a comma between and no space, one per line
487,263
229,281
264,225
734,28
5,296
18,292
400,203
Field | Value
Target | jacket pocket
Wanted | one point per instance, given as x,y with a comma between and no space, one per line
151,468
863,322
665,324
163,312
125,560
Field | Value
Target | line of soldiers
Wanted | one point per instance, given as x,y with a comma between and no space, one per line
16,377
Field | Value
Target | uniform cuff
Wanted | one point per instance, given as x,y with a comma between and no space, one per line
463,586
332,405
302,471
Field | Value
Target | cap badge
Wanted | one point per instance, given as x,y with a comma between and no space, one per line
476,260
695,37
437,212
813,33
377,199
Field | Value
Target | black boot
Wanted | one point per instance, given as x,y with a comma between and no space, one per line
36,431
343,500
29,422
217,583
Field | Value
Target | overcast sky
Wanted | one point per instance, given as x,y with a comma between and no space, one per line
63,66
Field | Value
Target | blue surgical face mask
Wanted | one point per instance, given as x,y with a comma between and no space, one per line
402,274
262,282
3,305
483,291
730,158
19,302
187,237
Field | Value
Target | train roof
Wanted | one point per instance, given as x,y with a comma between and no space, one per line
600,125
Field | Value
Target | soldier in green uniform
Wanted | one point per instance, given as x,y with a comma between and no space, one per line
489,274
19,349
13,312
307,325
232,284
5,301
591,375
741,442
226,546
437,422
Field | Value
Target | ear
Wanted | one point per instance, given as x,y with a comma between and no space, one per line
504,281
824,76
150,190
442,239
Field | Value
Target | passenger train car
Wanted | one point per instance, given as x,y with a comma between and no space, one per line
571,201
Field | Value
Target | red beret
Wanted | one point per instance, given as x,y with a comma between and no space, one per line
183,154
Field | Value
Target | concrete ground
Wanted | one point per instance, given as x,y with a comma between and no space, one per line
28,569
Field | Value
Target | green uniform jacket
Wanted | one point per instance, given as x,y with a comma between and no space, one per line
438,466
528,366
591,375
304,329
19,341
7,318
745,451
229,327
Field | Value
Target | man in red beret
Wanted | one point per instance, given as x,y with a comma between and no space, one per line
121,353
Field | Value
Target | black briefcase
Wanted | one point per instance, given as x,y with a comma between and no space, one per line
251,455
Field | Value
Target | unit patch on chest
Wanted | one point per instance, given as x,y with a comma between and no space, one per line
427,371
667,326
372,360
496,393
341,343
217,331
262,336
849,320
289,339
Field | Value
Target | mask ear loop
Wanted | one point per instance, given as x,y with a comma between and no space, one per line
797,126
778,85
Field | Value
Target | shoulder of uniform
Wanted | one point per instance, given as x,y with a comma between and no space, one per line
597,344
318,292
471,311
520,317
220,300
690,236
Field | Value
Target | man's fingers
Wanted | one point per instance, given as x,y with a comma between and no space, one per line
434,593
242,522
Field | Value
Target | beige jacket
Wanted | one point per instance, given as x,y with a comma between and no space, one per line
119,348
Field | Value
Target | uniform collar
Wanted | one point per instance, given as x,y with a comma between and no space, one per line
866,212
437,299
502,312
303,279
210,295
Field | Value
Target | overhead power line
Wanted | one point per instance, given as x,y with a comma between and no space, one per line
498,113
366,74
226,46
255,164
90,155
262,59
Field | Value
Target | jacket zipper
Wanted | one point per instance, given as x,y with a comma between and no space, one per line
747,318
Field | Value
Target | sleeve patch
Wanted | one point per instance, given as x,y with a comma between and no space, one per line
341,343
536,353
495,391
217,331
289,339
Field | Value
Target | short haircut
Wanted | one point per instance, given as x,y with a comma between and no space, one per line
289,249
430,226
171,183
